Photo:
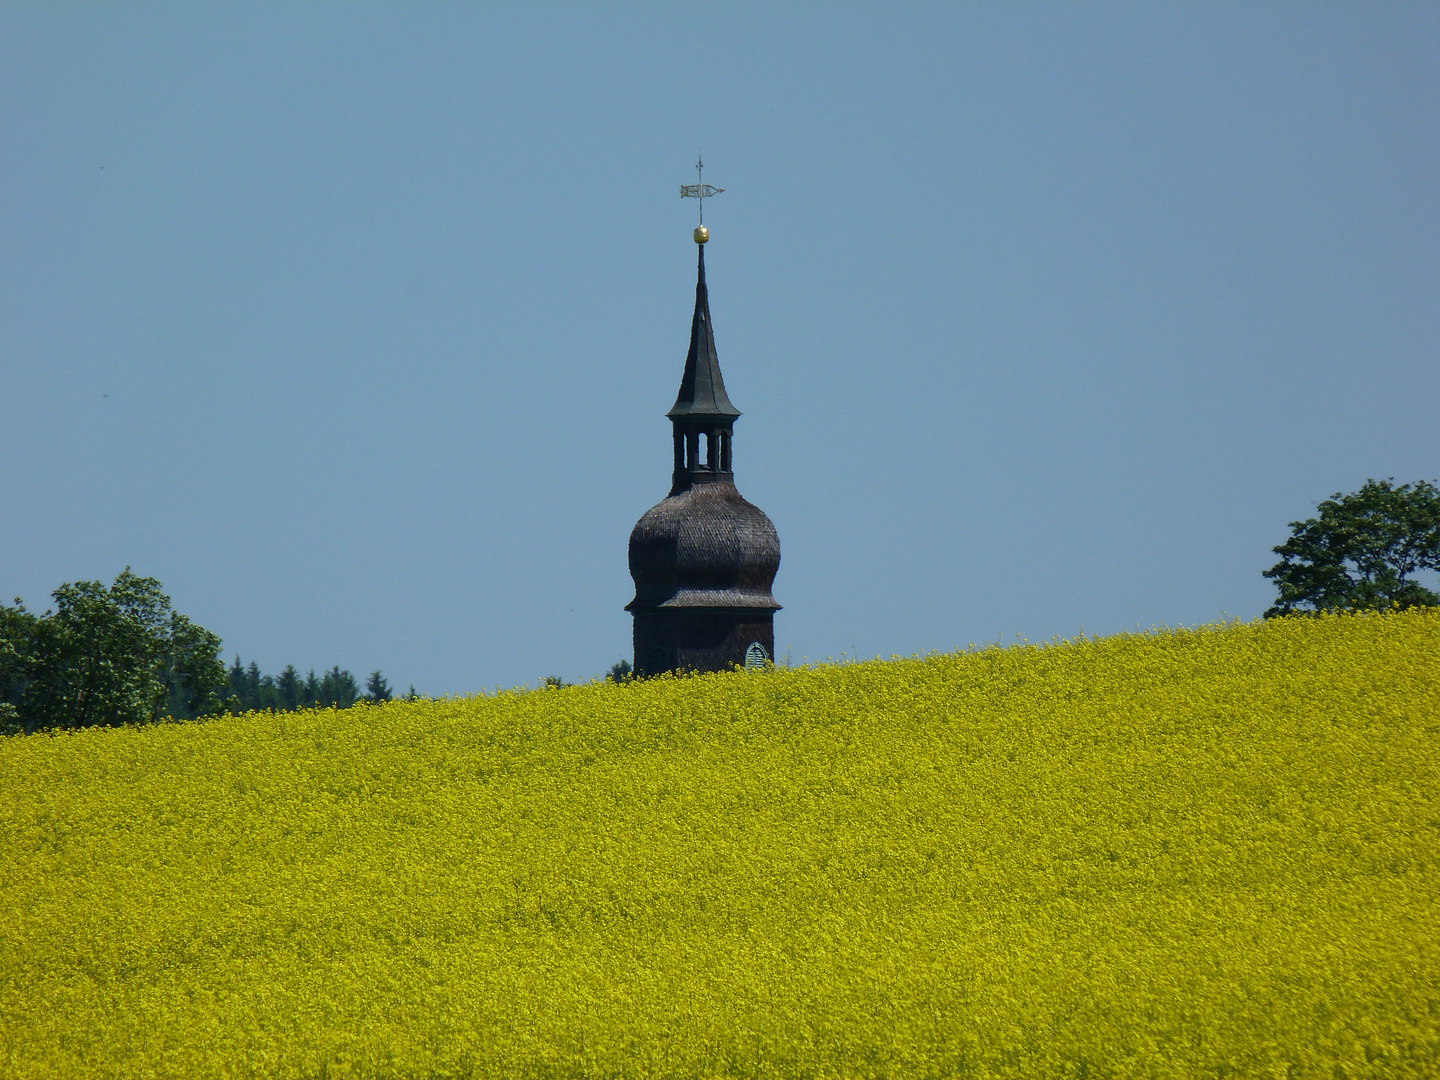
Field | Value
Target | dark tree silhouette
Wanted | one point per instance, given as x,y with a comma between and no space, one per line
1358,553
106,656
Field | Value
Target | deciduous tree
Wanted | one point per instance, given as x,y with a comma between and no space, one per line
1360,551
106,657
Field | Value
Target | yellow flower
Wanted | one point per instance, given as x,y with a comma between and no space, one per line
1181,853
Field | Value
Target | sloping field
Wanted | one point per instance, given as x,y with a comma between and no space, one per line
1208,853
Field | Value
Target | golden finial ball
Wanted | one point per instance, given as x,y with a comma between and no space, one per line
701,234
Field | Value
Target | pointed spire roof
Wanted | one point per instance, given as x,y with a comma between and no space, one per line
702,390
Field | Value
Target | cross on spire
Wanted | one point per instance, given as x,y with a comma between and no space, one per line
699,190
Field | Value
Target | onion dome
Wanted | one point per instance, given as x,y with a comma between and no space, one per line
705,547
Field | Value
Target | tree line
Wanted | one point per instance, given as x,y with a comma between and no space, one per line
107,657
249,691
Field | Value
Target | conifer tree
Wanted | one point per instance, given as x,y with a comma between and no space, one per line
376,688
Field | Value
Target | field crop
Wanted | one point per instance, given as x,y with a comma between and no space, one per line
1193,853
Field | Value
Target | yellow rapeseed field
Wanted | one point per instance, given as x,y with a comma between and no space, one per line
1195,853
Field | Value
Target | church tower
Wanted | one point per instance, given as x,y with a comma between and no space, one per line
703,559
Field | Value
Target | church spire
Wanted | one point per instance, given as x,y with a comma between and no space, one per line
702,413
702,388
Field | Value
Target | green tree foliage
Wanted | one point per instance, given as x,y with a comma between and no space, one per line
246,690
339,688
17,644
287,689
377,689
620,672
122,656
1360,551
105,657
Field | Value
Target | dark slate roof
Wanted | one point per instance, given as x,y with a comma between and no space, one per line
705,547
702,390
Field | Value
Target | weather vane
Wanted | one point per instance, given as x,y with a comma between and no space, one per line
702,191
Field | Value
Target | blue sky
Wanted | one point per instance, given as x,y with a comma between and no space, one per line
356,325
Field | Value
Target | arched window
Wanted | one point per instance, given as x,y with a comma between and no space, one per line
756,657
